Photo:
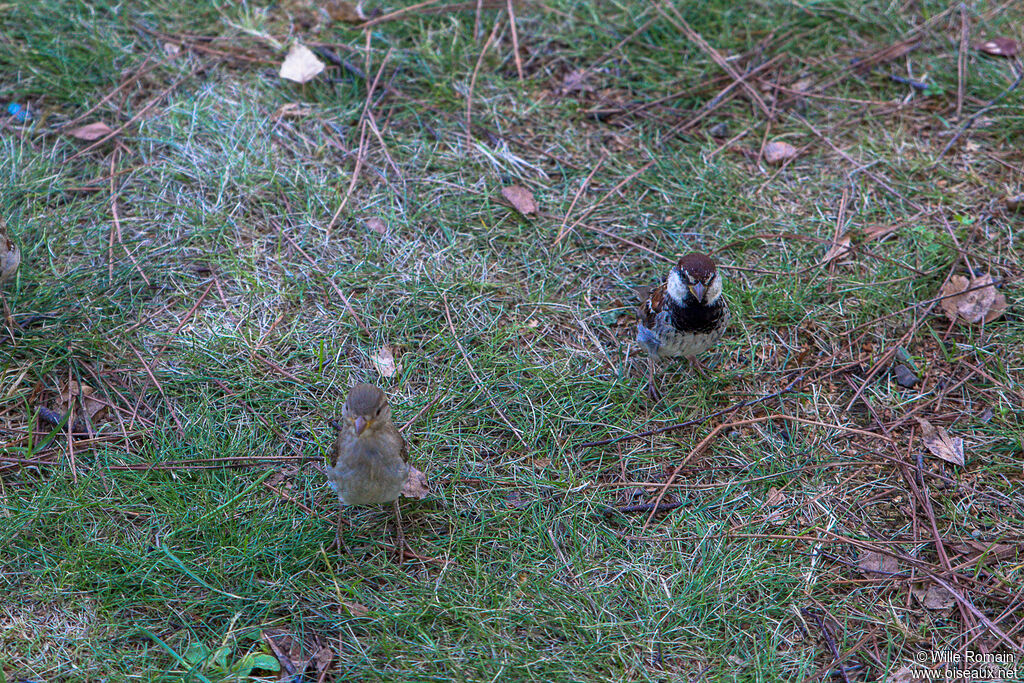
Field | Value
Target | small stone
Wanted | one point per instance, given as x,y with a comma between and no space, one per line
905,377
719,130
1015,202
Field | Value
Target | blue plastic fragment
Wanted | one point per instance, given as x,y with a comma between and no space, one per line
20,113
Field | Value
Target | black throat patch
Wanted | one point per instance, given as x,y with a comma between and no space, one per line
696,317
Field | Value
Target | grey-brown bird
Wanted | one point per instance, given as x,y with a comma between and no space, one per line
370,463
685,316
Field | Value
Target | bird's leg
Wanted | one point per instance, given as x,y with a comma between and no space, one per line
652,390
697,366
399,534
339,543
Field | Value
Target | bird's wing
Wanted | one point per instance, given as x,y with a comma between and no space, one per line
654,305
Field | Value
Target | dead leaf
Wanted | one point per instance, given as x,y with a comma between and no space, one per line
973,300
384,361
301,65
877,232
416,486
520,198
1000,47
777,151
69,395
775,497
10,257
904,675
377,225
576,81
291,110
837,250
355,609
323,658
91,131
941,444
871,562
934,597
172,50
986,552
541,463
339,10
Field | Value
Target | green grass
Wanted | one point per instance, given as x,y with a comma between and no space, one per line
173,572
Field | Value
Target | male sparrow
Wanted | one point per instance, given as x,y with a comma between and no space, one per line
684,316
370,456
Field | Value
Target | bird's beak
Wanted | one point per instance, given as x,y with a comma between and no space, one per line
698,290
361,423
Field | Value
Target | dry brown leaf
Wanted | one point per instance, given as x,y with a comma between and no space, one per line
904,674
972,300
1000,47
576,80
941,444
68,397
987,552
775,497
541,463
837,250
384,362
871,562
323,658
291,110
416,486
377,225
91,131
777,151
301,65
935,597
10,257
172,50
355,609
877,232
520,198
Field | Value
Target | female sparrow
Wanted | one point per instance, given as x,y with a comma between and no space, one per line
370,456
684,316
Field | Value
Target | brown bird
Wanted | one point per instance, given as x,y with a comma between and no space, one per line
685,316
370,463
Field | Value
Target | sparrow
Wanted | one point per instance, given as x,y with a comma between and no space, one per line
684,316
370,460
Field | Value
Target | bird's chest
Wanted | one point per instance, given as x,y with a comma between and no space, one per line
363,477
684,330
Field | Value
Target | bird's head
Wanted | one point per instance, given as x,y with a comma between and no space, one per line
695,279
365,409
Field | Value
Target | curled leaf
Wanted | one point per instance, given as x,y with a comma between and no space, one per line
935,597
871,562
377,225
777,151
300,65
520,198
941,444
416,486
91,131
972,300
384,361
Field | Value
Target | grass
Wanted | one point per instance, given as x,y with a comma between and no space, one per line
207,316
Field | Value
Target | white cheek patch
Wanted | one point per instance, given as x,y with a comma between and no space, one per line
714,290
676,288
